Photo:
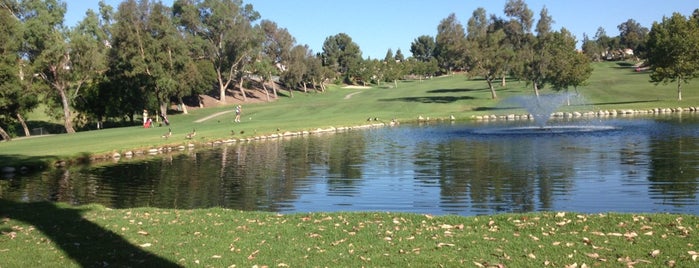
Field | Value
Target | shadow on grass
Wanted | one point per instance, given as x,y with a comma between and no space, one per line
83,241
441,99
622,102
454,90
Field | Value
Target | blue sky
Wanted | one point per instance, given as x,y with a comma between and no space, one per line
377,25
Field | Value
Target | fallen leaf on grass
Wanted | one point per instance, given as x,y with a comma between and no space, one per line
694,254
253,255
143,233
439,245
655,253
146,245
593,255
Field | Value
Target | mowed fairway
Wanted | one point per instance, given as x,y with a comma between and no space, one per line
612,86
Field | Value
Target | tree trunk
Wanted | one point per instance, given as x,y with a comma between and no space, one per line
679,89
221,87
492,89
4,135
395,83
274,89
67,120
163,109
24,125
305,89
242,90
265,89
184,107
536,89
504,81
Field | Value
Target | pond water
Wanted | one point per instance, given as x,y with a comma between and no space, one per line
621,165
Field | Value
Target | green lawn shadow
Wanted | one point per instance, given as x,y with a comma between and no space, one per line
83,241
431,99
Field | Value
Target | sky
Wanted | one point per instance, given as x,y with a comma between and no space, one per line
379,25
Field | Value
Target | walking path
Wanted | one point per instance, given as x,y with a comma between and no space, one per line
211,116
348,96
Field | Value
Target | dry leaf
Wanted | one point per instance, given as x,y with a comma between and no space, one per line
531,255
253,254
655,253
444,244
593,255
142,232
146,245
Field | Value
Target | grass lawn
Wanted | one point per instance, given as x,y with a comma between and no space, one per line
57,235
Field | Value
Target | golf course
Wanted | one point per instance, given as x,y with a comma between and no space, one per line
60,235
612,86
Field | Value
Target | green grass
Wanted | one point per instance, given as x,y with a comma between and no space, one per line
612,86
57,235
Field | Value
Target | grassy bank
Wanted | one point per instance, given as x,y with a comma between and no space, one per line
57,235
612,86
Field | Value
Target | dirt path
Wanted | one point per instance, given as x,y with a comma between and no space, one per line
211,116
348,96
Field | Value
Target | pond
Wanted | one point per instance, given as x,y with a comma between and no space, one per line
621,165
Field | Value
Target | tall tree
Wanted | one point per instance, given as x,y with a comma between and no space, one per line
591,49
89,42
340,53
399,56
48,51
538,66
568,67
488,51
423,48
632,35
519,37
449,43
276,46
12,95
228,38
673,50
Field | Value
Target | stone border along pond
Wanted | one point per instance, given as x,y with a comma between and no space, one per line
129,154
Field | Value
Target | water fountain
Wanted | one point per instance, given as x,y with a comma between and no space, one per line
540,109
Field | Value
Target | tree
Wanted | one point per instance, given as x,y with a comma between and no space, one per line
226,33
591,49
423,48
293,77
276,45
538,63
340,53
89,42
568,67
518,37
673,50
47,49
11,89
399,56
487,48
449,44
632,35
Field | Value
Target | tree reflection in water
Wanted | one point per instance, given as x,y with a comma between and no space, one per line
437,169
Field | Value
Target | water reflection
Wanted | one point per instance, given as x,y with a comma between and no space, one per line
643,166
